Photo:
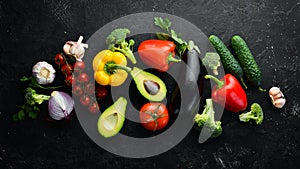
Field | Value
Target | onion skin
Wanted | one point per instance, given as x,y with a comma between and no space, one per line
60,105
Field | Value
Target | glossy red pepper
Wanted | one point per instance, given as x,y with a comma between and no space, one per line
229,91
157,53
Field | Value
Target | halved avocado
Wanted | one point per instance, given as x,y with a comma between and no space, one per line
112,119
149,85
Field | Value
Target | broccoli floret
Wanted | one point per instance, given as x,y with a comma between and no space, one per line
32,97
206,119
212,60
256,114
116,42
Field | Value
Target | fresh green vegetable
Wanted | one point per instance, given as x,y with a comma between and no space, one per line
33,83
170,34
116,42
29,107
256,114
212,61
230,64
246,59
206,119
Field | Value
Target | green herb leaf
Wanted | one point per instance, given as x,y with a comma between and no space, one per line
24,78
33,115
164,24
162,36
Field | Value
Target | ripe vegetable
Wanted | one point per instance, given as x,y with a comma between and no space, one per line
66,69
246,60
93,107
212,61
59,59
101,92
85,100
154,116
230,64
116,42
75,49
77,90
60,105
157,53
228,91
70,80
110,68
170,34
79,66
277,97
207,120
83,78
256,114
43,72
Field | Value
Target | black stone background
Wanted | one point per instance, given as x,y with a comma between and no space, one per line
36,30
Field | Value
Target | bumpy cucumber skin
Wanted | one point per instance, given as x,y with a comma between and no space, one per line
229,62
246,60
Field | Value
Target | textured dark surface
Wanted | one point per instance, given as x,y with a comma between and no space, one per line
36,30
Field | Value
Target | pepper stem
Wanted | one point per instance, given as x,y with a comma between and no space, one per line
219,83
172,59
111,67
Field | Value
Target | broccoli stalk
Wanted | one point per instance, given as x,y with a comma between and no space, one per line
29,107
212,61
256,114
32,97
116,42
206,119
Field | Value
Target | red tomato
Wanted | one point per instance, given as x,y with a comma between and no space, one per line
59,59
77,90
85,100
94,108
66,69
79,66
154,116
70,80
90,88
101,92
83,78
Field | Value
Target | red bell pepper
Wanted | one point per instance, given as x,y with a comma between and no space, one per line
157,53
229,91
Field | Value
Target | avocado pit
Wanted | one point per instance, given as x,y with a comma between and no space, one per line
151,87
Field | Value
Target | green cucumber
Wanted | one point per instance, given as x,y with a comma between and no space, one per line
230,64
246,60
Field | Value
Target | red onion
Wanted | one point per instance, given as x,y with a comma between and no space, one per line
60,105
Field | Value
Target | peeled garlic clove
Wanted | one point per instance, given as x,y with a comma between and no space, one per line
279,103
277,97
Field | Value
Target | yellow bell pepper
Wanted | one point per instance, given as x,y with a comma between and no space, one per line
110,68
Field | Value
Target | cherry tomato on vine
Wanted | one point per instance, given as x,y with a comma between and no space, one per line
83,78
94,108
101,92
66,69
79,66
154,116
77,90
70,80
59,59
90,88
85,100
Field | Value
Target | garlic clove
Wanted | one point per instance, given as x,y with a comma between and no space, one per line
274,91
279,103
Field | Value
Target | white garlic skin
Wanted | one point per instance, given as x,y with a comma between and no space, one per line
43,72
277,97
75,49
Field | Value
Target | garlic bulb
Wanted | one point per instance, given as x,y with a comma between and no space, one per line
277,97
60,105
75,49
43,72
